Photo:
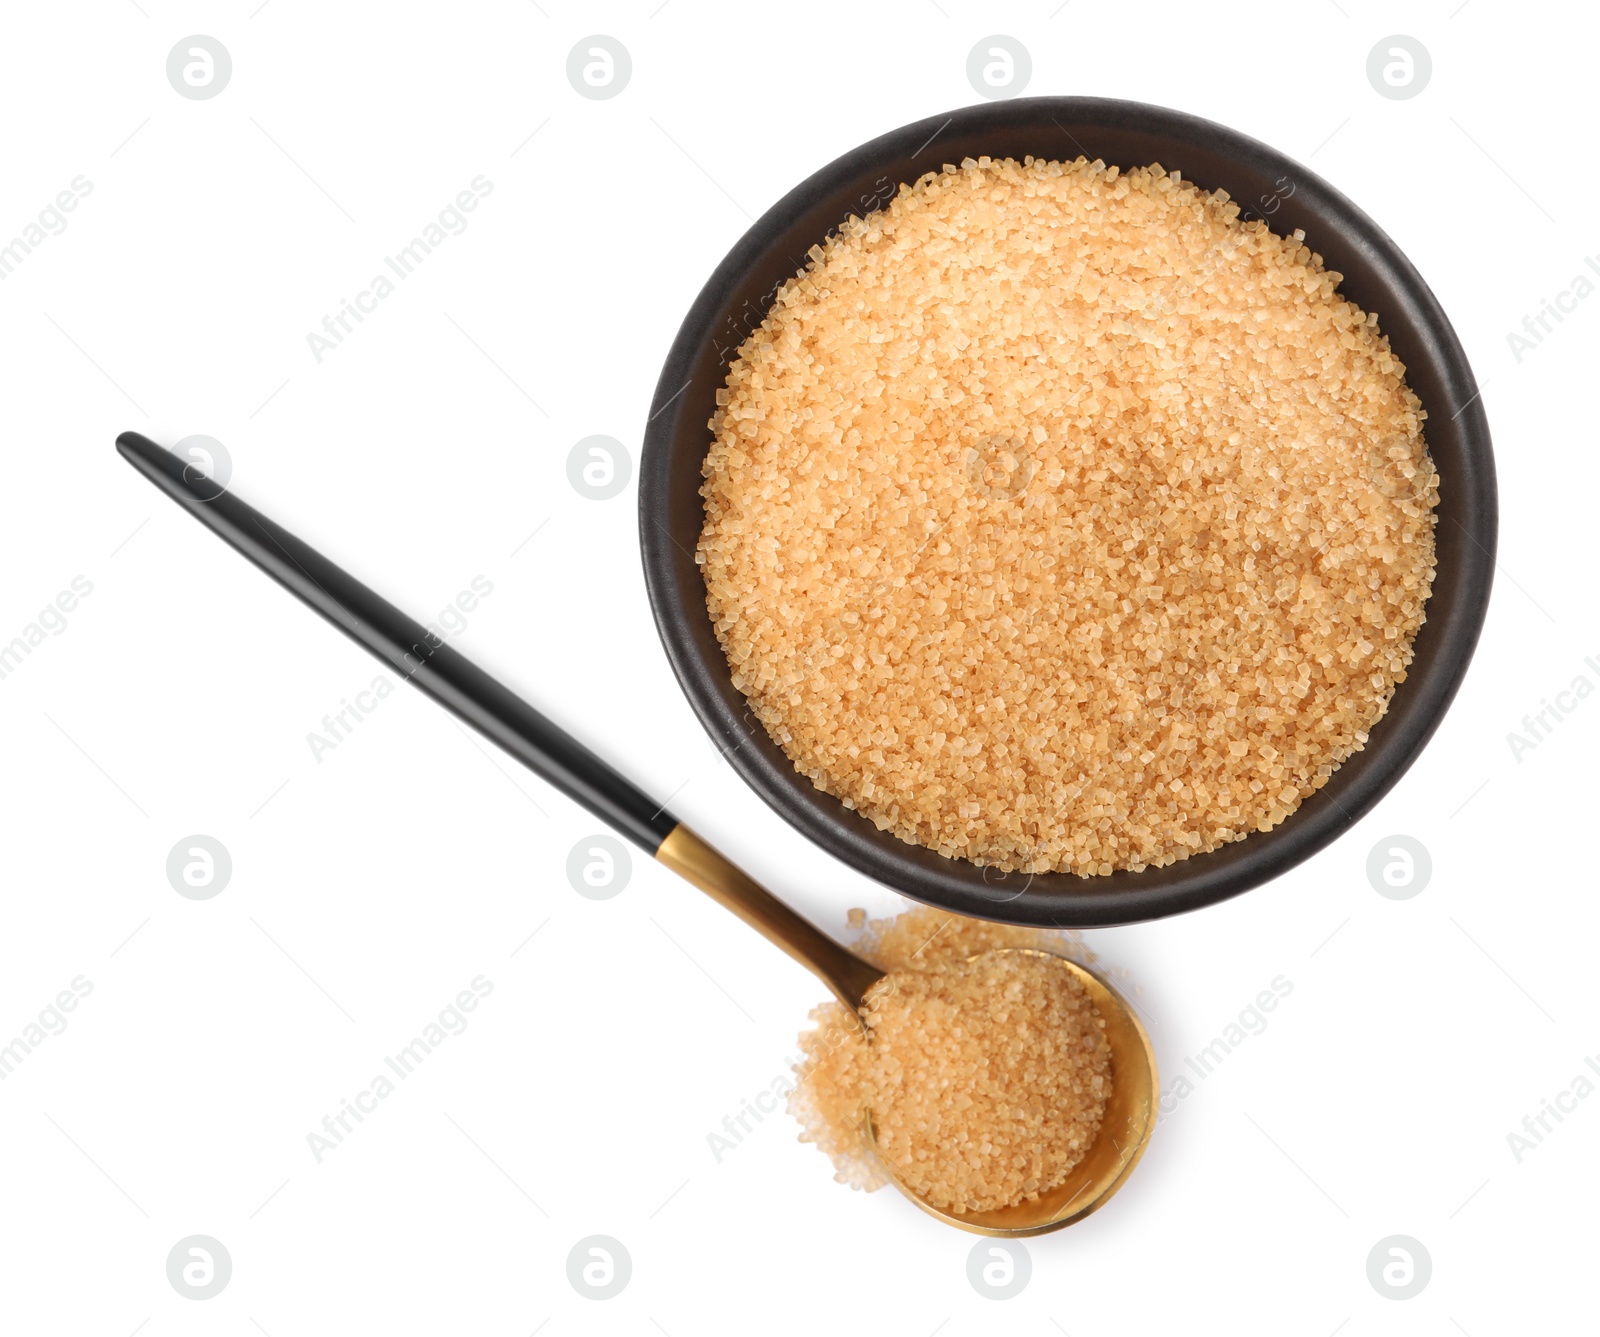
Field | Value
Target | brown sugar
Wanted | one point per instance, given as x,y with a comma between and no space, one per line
987,1079
1058,520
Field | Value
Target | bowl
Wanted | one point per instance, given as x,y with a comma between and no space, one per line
1266,184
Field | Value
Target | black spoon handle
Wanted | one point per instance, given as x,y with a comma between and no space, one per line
414,652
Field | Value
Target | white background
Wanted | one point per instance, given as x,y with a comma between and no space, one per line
370,887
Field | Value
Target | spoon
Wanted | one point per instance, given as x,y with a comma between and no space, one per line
423,659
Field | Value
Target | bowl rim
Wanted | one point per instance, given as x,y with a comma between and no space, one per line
1455,613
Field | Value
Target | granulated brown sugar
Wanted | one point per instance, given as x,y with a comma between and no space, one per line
987,1081
1058,520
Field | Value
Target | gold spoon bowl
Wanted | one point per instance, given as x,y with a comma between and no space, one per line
1130,1115
1124,1132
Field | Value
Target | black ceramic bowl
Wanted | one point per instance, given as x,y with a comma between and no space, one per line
1265,184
